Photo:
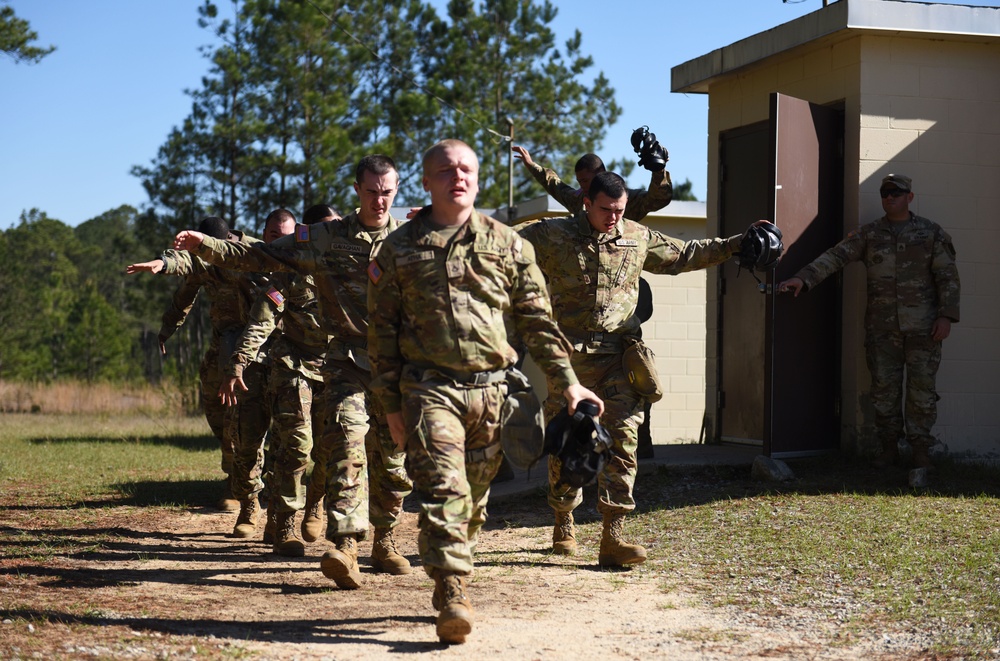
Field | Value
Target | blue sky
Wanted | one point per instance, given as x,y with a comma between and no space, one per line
72,126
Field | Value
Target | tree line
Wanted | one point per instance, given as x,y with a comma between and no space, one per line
295,93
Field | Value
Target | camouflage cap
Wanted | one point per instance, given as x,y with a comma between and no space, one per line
900,181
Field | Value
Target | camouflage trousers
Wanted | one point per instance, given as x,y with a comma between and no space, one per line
453,447
246,425
210,378
624,411
364,473
894,359
298,414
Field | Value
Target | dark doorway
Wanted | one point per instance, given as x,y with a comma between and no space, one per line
779,356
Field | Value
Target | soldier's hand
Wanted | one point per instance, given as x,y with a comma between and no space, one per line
397,429
793,285
577,393
941,329
413,212
188,240
229,388
162,341
522,153
154,266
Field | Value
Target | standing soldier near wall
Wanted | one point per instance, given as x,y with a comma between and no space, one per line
913,298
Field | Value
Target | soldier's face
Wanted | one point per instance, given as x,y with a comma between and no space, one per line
895,202
584,177
604,212
376,193
452,178
275,229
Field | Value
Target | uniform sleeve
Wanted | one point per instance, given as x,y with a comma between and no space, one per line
385,311
851,249
658,195
945,273
261,323
281,255
566,195
180,306
670,256
181,262
532,317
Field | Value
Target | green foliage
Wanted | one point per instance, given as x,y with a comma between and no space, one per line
298,92
682,192
16,37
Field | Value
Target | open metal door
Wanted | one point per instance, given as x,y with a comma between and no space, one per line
779,357
802,337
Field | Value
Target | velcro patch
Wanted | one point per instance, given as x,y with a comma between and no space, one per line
275,296
356,249
374,272
412,258
627,243
302,233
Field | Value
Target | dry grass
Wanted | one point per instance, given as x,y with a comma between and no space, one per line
78,397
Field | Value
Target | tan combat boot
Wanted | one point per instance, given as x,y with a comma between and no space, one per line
889,455
246,523
312,516
385,557
614,551
341,564
228,502
285,541
454,621
564,535
270,524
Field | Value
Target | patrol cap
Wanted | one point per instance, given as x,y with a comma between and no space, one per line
900,181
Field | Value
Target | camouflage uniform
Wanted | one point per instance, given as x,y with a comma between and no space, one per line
439,352
640,202
295,382
594,282
228,294
244,425
335,254
912,281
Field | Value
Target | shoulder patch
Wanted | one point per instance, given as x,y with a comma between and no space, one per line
302,233
374,272
275,296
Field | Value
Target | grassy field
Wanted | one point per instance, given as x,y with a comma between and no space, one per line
843,546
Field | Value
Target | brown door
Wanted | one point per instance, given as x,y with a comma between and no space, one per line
779,358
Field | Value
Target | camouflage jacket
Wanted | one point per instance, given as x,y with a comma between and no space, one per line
640,202
912,276
594,277
230,294
439,303
336,255
287,312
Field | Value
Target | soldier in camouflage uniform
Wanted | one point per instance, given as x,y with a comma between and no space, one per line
441,287
356,440
640,202
593,262
229,294
913,298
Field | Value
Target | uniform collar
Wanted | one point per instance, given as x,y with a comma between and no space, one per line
358,231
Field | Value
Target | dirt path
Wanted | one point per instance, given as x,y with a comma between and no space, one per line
175,585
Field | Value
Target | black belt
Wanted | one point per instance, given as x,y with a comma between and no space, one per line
467,378
592,337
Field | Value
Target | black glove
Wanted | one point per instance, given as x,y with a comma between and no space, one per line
652,155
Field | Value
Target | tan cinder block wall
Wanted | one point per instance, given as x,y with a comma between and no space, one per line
928,108
676,334
931,110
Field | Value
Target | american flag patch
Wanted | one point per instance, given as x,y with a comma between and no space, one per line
275,296
302,233
374,272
